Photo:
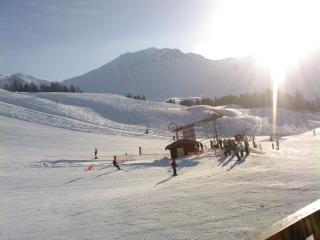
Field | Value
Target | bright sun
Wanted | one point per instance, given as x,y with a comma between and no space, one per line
278,33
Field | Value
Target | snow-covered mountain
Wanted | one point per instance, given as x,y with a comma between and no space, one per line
2,76
21,78
162,73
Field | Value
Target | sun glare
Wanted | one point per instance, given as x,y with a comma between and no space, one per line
278,33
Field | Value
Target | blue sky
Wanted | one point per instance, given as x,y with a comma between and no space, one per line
58,39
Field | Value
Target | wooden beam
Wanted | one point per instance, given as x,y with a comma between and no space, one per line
301,225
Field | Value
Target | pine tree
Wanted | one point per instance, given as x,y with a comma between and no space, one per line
6,87
72,88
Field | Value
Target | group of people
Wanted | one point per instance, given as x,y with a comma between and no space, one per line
199,147
230,147
114,163
252,137
233,147
274,137
277,144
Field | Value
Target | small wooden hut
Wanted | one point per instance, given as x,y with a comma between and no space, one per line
183,147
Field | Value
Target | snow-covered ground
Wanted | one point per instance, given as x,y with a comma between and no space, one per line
114,114
46,141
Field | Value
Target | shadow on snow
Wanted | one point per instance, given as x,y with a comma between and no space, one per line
165,162
73,180
242,160
224,161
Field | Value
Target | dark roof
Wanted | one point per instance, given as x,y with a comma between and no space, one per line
181,143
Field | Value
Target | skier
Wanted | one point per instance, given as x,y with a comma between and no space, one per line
246,147
277,144
225,147
220,143
241,148
95,153
174,167
233,147
211,144
314,132
224,143
254,144
229,147
115,163
236,151
225,150
272,145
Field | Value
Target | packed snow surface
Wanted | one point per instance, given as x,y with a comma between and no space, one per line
114,114
47,140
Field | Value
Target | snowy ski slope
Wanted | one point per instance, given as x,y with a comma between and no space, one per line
114,114
45,193
47,140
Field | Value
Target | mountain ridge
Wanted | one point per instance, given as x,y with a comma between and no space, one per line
163,73
160,74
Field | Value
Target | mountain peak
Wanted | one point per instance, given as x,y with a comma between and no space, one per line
155,52
152,55
2,76
162,73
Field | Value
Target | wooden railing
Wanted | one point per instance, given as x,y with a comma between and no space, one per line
301,225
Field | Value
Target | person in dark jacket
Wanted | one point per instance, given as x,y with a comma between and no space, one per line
95,153
236,151
211,144
229,143
277,144
246,147
115,163
226,147
241,148
174,167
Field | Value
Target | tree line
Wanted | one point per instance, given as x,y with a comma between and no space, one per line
16,86
295,101
138,97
